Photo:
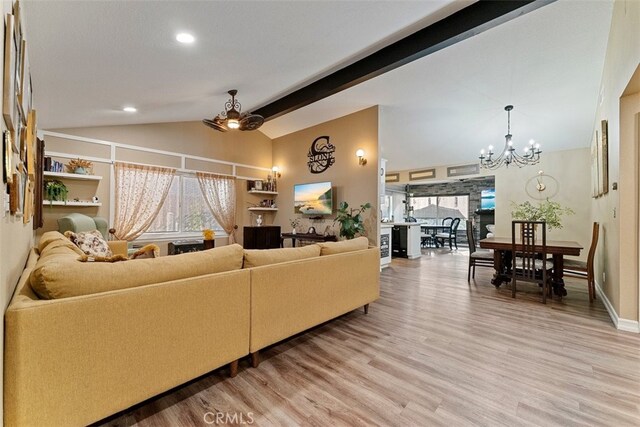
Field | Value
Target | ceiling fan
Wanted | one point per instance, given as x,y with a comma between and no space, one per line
232,118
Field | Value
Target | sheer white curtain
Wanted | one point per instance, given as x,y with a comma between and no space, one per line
140,193
219,191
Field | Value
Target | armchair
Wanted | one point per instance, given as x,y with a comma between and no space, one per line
78,223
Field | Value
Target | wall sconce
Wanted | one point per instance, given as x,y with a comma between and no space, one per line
276,172
361,160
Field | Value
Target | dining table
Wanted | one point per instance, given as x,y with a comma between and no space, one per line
502,259
434,229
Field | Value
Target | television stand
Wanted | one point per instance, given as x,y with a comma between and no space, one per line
308,237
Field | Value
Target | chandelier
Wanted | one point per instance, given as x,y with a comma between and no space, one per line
231,118
508,156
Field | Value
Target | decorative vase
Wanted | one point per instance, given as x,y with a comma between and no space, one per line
259,220
293,231
80,171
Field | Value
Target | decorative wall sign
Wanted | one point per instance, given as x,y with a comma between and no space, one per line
472,169
9,78
423,174
321,155
384,245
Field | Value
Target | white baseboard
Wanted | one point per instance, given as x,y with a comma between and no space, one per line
621,324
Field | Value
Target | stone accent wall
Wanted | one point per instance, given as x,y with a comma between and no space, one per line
471,187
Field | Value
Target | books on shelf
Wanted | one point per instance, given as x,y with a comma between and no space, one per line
51,165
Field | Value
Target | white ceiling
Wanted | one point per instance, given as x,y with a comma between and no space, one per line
89,59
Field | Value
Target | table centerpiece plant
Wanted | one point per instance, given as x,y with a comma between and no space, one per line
547,211
350,219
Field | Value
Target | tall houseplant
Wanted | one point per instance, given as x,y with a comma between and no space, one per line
350,219
547,211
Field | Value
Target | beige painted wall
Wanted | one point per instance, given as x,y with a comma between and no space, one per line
352,183
571,168
617,211
16,238
192,138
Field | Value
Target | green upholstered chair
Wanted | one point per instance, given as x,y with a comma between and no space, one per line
78,223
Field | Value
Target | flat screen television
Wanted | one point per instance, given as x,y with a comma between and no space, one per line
313,199
488,199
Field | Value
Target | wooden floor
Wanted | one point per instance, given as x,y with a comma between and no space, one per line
433,350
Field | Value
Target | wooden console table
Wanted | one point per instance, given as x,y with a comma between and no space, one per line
306,237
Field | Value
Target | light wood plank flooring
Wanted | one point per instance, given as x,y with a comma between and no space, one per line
433,351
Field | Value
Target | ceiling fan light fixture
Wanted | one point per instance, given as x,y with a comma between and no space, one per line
232,117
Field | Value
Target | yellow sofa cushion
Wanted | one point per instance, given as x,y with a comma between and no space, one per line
61,275
258,257
48,237
331,248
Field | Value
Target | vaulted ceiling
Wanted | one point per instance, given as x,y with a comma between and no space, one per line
90,59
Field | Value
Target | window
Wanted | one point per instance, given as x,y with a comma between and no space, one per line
433,209
184,210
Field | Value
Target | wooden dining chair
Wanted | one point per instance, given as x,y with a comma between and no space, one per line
451,235
529,256
479,257
576,268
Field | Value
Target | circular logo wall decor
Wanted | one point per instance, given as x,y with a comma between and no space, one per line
321,155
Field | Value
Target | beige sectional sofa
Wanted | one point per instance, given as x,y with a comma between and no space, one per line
84,341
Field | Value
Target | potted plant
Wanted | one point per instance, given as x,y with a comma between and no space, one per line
351,222
55,190
80,166
547,211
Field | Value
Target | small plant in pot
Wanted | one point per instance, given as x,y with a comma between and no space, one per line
294,224
350,219
55,191
547,211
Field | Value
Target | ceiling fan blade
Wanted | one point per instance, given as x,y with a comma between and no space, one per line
251,122
215,124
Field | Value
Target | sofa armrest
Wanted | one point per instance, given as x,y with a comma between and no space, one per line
119,247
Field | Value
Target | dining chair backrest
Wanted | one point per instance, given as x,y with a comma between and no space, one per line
594,242
449,219
470,238
524,239
454,226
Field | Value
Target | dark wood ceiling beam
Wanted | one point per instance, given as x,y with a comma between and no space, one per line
467,22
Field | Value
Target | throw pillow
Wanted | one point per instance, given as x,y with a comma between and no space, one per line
90,242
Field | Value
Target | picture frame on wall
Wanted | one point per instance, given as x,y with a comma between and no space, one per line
604,142
13,194
594,166
8,83
7,150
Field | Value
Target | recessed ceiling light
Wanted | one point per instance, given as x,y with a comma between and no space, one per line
185,38
130,109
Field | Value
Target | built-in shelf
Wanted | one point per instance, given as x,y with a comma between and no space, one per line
70,203
73,176
272,193
263,209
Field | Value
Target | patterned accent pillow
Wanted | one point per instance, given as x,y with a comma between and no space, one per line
91,243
